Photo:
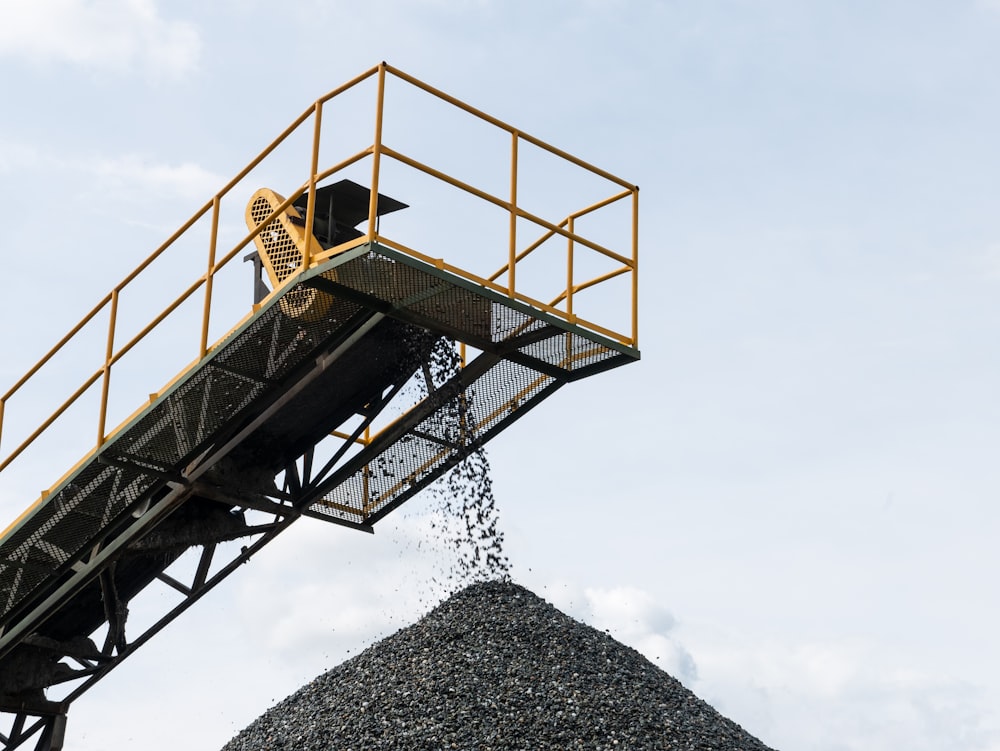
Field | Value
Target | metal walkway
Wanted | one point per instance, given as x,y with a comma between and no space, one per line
275,422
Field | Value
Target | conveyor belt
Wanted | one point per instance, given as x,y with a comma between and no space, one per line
186,471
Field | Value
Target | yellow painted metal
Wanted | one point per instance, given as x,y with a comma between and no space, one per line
284,250
377,149
280,271
520,297
362,440
635,266
106,373
570,225
209,279
482,194
564,224
306,248
512,240
509,128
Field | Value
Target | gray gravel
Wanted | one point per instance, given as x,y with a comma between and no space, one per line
494,667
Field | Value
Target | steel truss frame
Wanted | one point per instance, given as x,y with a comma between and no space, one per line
198,508
176,497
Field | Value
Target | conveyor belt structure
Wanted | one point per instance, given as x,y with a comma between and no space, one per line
274,423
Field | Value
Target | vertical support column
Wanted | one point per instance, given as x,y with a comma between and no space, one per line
570,225
209,279
106,378
568,338
366,495
512,251
48,728
635,266
311,200
54,734
376,153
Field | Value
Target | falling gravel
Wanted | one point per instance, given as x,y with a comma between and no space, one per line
494,667
463,531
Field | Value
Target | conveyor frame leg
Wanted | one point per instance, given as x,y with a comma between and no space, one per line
49,728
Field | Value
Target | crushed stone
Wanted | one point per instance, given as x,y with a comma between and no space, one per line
494,667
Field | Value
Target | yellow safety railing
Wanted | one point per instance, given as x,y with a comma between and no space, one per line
505,280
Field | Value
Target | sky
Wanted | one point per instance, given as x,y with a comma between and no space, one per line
789,503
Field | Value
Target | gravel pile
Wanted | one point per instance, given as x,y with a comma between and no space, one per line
494,667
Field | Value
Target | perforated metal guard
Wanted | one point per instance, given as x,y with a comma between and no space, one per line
280,245
276,244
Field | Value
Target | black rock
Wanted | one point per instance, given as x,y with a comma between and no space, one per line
494,667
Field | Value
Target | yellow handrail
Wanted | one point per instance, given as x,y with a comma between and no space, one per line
502,204
509,128
561,304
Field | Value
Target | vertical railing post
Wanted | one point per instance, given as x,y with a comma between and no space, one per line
311,200
365,489
376,153
570,225
106,378
635,266
209,279
512,249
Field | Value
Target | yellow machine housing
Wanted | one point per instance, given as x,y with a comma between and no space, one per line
280,246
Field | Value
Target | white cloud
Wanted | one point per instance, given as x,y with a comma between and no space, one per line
817,695
989,260
631,616
119,35
18,156
121,176
336,612
841,697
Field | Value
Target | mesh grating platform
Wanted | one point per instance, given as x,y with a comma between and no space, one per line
528,354
196,413
436,442
525,356
410,290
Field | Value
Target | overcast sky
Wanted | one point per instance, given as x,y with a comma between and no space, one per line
789,504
